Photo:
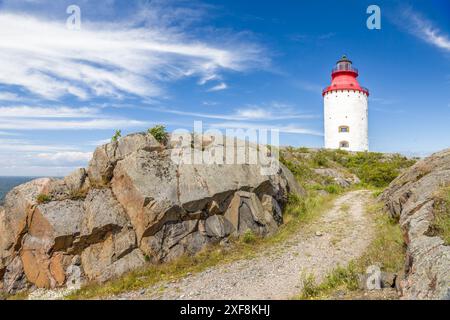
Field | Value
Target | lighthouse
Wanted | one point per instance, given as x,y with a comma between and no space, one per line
346,109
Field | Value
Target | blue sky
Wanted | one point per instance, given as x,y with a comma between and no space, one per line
230,64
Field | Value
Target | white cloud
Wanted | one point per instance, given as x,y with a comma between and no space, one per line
219,87
253,113
98,142
273,111
8,96
64,158
47,112
424,29
45,124
260,126
19,145
109,59
5,133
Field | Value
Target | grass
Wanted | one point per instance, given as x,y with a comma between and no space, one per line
18,296
78,194
386,249
43,198
249,237
441,222
298,212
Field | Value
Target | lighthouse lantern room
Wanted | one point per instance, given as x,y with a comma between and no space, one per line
346,109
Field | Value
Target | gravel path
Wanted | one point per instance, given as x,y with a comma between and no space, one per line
340,235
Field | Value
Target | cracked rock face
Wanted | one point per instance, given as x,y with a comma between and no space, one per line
411,199
133,205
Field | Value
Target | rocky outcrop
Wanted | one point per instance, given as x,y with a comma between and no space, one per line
411,198
133,205
343,179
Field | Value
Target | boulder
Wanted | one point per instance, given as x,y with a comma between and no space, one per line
342,179
246,212
98,259
14,279
102,213
217,226
74,186
292,183
105,158
146,185
136,203
18,205
56,224
411,199
173,240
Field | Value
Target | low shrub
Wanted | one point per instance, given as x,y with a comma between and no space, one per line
159,133
248,236
43,198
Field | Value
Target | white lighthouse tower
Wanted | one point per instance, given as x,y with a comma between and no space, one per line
346,110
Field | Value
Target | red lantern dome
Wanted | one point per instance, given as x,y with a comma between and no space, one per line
343,77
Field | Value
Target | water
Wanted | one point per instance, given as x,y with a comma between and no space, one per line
7,183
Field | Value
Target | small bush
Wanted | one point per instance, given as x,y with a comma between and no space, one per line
116,136
248,236
43,198
320,158
159,133
373,168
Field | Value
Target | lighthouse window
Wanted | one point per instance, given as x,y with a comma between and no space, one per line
343,144
344,129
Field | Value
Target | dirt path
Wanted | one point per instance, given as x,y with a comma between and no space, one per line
340,235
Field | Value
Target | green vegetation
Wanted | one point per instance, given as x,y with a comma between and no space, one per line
18,296
387,249
116,136
249,237
43,198
374,169
298,212
441,223
78,194
339,278
159,132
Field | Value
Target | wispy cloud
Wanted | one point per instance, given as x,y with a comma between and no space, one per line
422,28
20,145
8,96
290,128
110,59
270,112
46,124
47,112
219,87
63,159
